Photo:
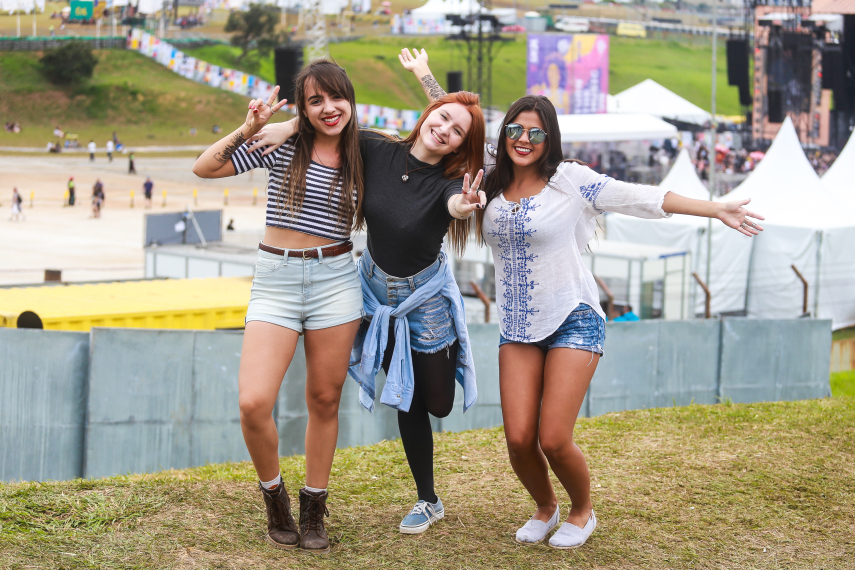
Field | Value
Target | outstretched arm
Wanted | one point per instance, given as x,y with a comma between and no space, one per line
418,64
732,214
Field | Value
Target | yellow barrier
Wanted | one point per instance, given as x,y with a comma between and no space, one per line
212,303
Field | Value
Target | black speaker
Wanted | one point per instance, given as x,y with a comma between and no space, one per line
776,106
832,65
454,82
737,69
288,61
737,61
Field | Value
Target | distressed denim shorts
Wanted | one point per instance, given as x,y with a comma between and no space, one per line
312,293
583,329
431,324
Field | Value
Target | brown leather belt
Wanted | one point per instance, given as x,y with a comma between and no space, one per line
312,253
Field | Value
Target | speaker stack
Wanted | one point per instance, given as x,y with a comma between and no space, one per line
454,82
737,69
288,61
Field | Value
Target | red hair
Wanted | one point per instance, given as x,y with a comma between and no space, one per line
470,156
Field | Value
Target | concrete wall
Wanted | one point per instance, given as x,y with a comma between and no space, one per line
43,377
140,400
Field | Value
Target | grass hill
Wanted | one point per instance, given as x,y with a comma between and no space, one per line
149,105
378,77
145,103
707,487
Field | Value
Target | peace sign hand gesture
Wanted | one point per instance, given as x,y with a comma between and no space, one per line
261,111
470,199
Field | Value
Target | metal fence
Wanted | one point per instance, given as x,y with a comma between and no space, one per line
140,400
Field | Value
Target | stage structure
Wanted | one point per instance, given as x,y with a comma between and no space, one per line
480,40
315,24
788,71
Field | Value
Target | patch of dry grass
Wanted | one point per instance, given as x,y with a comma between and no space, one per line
719,487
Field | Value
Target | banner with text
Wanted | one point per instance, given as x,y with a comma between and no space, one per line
571,70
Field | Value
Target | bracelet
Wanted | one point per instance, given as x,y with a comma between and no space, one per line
456,202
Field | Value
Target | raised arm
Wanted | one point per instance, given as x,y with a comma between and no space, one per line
418,64
215,162
272,136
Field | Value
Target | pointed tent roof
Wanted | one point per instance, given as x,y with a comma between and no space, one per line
839,180
460,7
683,179
651,98
785,189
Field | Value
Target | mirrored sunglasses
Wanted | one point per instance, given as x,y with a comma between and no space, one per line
514,131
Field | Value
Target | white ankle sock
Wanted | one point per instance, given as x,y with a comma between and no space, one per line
270,485
313,490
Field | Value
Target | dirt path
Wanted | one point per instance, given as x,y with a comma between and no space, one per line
85,249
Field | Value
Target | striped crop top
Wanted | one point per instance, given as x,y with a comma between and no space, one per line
319,215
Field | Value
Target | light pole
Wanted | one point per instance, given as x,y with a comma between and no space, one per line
712,152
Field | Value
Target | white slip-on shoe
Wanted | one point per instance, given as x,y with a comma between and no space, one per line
534,530
570,536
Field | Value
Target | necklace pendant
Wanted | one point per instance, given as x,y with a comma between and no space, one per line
405,177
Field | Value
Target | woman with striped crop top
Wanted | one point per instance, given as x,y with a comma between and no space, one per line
305,282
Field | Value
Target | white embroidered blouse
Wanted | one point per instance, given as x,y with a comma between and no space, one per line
537,246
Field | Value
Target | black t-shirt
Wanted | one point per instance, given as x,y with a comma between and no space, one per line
406,220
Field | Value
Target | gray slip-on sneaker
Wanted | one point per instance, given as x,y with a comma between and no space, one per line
534,530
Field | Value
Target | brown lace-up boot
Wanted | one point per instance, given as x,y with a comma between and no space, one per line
281,530
313,535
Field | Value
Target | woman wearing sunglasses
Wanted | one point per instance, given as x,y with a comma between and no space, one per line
539,218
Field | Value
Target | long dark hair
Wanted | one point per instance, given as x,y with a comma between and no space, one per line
503,174
328,77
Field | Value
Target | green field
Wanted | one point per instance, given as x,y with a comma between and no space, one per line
703,487
145,103
378,77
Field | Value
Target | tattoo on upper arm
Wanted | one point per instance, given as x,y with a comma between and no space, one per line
234,144
432,88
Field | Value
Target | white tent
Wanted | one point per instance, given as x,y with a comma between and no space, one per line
837,254
26,6
689,233
651,98
802,221
443,7
839,181
602,127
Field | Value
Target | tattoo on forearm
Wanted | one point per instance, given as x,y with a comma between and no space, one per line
432,88
234,144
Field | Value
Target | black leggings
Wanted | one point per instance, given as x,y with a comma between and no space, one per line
433,393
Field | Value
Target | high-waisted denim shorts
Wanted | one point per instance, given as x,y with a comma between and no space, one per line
431,324
311,293
583,329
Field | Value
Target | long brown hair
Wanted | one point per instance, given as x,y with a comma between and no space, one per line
503,174
328,77
468,158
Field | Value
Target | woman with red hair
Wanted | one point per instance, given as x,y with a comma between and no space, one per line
417,190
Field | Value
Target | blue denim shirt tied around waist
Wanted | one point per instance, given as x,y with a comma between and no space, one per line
366,358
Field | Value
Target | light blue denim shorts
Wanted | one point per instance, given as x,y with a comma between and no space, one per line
312,293
431,324
583,329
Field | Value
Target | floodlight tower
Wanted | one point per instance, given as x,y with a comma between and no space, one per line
316,30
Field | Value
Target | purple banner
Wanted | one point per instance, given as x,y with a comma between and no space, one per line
571,70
